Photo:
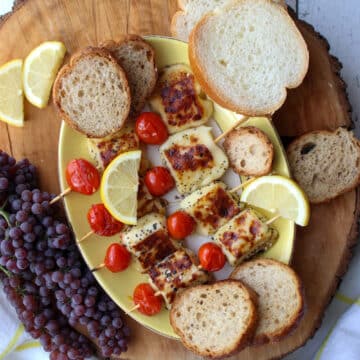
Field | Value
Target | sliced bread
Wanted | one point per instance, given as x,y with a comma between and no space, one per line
280,297
192,11
92,93
215,320
137,58
246,54
325,164
250,151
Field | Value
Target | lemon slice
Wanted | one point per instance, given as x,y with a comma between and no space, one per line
40,69
119,187
11,93
279,195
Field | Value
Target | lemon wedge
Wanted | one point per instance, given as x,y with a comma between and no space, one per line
279,195
40,69
119,187
11,93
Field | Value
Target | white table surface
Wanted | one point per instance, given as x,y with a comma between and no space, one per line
339,23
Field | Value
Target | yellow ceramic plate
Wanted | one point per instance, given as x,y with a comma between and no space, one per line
120,286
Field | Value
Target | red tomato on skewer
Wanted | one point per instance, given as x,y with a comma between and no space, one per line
159,181
82,176
101,221
180,224
151,129
144,297
117,258
211,257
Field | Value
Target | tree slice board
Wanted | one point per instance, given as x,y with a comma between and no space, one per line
322,250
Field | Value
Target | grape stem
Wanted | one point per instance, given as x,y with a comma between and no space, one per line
5,215
6,272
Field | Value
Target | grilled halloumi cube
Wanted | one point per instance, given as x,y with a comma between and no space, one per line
244,235
211,207
149,240
193,158
177,271
179,100
147,203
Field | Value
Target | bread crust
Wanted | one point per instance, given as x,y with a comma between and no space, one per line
66,69
173,24
246,338
302,138
222,99
292,324
235,136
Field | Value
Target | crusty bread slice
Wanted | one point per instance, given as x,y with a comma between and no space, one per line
325,164
192,11
137,58
215,320
92,93
249,150
246,54
280,297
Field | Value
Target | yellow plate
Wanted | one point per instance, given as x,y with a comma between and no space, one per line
120,286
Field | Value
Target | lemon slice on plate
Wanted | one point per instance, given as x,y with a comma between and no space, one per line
119,187
280,195
40,69
11,93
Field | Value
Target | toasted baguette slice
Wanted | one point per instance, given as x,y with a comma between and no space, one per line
137,58
246,54
325,164
192,11
92,93
215,320
250,151
280,297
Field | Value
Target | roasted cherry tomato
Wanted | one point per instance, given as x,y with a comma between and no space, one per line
180,224
117,258
211,257
144,297
101,221
159,181
82,176
151,129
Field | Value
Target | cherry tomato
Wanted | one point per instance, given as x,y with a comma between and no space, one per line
151,129
117,258
211,257
82,176
159,181
180,224
101,221
144,297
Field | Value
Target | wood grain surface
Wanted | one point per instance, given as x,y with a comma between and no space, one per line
322,249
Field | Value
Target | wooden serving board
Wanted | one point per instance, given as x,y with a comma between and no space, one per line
322,249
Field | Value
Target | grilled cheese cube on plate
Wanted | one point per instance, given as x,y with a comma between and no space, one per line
245,235
177,271
179,100
211,207
106,149
149,241
147,203
193,158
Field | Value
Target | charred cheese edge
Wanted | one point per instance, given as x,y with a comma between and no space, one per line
174,273
179,100
193,158
211,207
244,236
149,240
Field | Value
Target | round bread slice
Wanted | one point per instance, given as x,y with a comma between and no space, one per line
215,320
137,58
280,297
92,93
246,54
250,151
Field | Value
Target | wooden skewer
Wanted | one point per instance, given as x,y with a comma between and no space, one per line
241,120
86,236
60,196
270,221
132,309
98,267
157,293
240,186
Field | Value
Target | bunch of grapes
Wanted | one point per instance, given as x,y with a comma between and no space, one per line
47,280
